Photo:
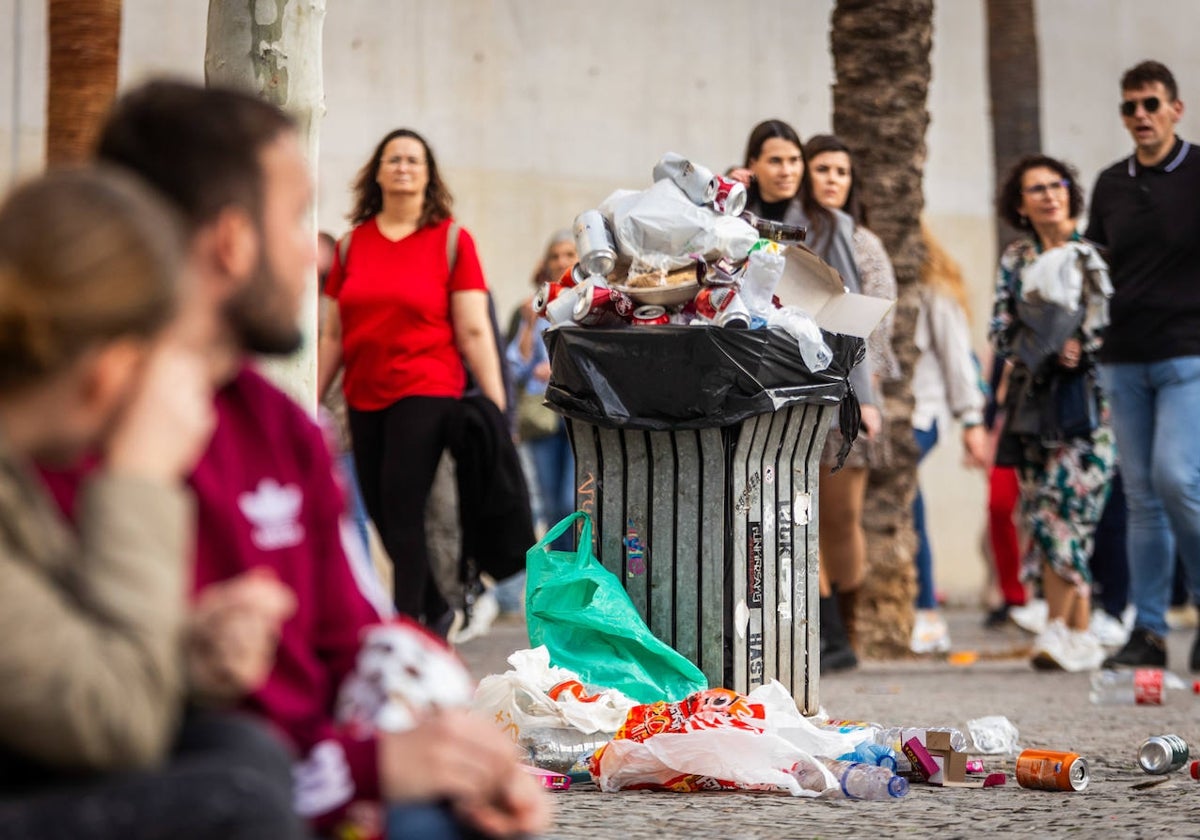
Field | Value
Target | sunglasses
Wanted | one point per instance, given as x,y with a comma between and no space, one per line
1150,103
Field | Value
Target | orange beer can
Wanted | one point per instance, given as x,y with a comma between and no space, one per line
1050,770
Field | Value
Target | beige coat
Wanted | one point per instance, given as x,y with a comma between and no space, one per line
91,673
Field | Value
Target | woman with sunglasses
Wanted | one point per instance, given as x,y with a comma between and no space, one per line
1050,308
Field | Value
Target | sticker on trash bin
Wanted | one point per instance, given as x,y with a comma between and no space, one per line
741,619
802,509
743,502
635,551
769,475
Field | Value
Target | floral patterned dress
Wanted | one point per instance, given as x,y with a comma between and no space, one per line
1064,484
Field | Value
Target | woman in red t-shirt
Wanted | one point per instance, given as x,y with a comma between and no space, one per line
406,320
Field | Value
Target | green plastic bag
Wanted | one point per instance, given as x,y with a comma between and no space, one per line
582,614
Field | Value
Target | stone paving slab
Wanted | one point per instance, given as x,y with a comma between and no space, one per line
1051,711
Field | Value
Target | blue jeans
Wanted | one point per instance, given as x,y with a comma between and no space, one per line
926,599
555,466
357,512
1155,407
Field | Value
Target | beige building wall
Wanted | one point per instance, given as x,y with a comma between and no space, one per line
538,109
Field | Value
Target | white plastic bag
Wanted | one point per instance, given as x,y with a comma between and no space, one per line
718,740
993,735
661,229
520,699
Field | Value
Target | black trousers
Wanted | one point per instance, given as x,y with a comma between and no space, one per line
396,453
228,778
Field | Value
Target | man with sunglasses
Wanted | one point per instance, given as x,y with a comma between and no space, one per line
1146,214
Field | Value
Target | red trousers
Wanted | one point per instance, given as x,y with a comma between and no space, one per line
1003,496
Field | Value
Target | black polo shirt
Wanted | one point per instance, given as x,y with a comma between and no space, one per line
1148,219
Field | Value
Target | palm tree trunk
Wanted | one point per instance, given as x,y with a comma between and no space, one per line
84,45
881,59
1013,85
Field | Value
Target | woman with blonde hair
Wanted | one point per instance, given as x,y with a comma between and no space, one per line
945,382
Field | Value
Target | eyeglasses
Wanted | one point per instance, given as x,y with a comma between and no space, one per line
1150,103
396,161
1045,189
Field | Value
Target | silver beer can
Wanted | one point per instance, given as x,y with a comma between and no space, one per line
594,243
697,183
1163,754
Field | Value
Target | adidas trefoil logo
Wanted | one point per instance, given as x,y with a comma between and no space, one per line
273,511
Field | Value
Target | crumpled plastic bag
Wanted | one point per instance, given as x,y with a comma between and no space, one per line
993,735
661,229
537,695
719,740
800,325
402,672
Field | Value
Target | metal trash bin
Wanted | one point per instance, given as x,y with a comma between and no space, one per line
706,509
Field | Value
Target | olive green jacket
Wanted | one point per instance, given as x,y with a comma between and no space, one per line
91,673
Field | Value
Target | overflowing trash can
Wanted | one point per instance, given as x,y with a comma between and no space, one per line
697,454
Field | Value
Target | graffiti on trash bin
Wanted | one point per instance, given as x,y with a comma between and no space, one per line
635,551
585,494
743,502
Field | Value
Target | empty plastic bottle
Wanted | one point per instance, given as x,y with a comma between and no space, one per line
865,781
869,752
1139,687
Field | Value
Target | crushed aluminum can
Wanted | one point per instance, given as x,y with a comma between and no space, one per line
574,277
698,184
712,301
561,309
594,243
730,197
599,305
1050,770
544,296
650,315
1162,754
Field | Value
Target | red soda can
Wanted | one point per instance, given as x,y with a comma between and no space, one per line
1050,770
646,316
598,305
730,197
713,300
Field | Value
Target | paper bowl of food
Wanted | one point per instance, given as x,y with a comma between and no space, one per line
672,288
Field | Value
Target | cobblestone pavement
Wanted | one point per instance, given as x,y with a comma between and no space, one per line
1051,711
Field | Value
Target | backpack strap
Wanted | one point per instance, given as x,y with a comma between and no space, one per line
452,245
343,249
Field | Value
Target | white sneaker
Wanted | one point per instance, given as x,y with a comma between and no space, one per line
930,633
483,614
1087,651
1031,617
1109,631
1053,649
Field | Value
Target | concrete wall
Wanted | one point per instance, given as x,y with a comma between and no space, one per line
538,109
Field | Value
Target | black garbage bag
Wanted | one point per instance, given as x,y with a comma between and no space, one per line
688,377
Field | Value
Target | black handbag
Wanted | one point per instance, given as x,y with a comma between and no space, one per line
1076,409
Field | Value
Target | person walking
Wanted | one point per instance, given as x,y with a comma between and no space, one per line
1146,216
1049,313
412,316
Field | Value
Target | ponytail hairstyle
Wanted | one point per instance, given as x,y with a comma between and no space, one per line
86,256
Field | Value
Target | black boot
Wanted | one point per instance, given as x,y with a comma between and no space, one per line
836,652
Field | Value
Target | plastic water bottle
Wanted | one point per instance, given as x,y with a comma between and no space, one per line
1139,687
868,752
864,781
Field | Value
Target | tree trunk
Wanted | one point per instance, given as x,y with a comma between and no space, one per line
273,48
881,60
84,45
1013,90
